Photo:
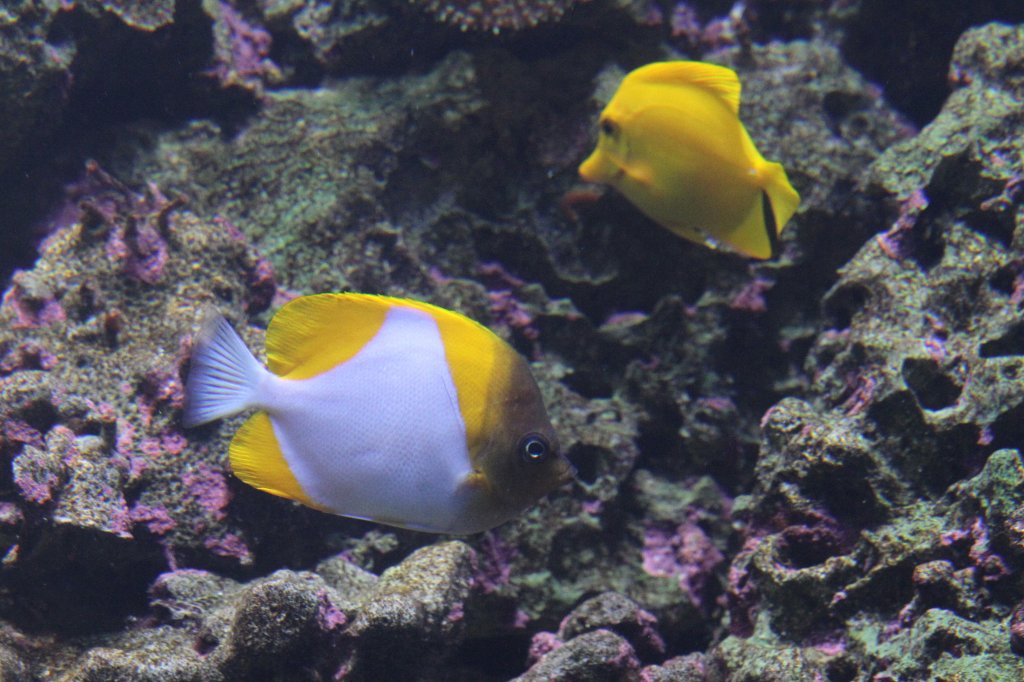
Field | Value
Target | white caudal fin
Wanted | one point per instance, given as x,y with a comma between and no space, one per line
224,375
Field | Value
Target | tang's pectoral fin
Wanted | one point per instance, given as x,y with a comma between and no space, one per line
641,174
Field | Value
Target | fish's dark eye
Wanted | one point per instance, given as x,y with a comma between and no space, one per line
534,448
608,128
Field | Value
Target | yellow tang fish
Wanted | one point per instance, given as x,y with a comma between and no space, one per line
672,142
384,409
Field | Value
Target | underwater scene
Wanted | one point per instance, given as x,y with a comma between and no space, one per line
486,340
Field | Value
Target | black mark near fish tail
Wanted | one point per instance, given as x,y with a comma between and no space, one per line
769,224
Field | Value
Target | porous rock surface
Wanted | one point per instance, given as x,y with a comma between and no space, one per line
785,472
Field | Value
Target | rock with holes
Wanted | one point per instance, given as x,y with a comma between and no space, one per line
892,488
926,347
996,497
205,628
924,336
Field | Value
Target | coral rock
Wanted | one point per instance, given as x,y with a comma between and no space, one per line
597,656
280,623
496,15
621,615
414,615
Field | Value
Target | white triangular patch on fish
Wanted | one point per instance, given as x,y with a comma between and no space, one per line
381,436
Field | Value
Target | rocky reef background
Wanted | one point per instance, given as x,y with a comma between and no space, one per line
806,469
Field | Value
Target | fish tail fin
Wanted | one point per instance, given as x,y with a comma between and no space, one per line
783,199
224,375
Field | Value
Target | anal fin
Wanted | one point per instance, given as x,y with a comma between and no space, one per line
257,459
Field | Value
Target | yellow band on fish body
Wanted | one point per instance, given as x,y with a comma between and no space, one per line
480,366
479,363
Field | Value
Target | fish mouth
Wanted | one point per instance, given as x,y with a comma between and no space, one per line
588,170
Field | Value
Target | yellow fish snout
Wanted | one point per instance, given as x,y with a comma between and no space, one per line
603,164
590,169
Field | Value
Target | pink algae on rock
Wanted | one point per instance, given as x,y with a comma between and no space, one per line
541,644
685,553
229,545
241,51
492,563
93,343
330,617
156,519
209,489
30,312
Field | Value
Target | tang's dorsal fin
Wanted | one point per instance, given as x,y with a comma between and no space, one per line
718,80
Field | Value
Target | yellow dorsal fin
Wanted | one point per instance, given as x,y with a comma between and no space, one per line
256,458
312,334
719,80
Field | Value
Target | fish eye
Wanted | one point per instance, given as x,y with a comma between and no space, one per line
608,128
534,448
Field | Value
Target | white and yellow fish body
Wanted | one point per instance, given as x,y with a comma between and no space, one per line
672,142
383,409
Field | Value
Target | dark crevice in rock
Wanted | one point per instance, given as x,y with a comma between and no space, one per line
1011,343
498,658
906,47
934,388
843,302
806,546
64,581
1008,430
587,460
590,384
